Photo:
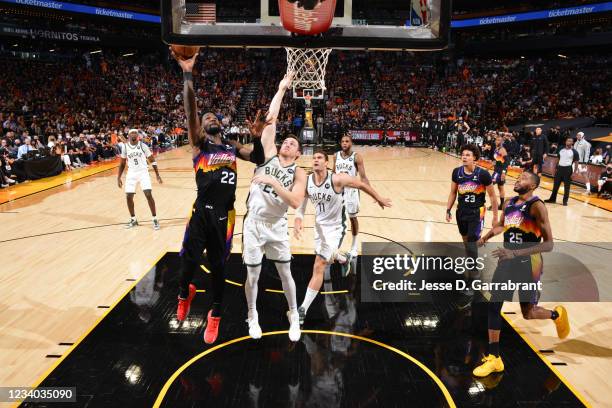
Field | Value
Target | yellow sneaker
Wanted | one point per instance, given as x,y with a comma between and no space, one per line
562,322
490,364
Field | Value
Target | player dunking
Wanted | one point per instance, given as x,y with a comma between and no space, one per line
524,223
278,184
500,168
211,225
469,184
351,163
137,155
325,189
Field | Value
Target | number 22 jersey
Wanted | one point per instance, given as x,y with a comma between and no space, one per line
216,174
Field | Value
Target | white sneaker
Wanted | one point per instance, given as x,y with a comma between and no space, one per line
254,329
156,225
354,253
131,224
294,326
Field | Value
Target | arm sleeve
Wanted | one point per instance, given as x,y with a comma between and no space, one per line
257,155
146,150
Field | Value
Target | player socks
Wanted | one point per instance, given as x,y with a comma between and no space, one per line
310,296
284,271
251,287
494,349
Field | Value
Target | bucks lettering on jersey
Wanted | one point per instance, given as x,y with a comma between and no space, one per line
263,200
346,165
520,227
329,204
136,156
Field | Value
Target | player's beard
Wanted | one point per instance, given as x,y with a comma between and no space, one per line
213,130
521,190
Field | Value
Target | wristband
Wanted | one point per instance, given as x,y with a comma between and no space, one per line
187,76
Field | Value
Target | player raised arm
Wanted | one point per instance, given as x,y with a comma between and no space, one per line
189,99
269,133
342,180
293,197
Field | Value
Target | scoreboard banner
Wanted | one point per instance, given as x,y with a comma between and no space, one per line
377,135
367,135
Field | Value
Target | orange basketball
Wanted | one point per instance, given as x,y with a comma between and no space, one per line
184,51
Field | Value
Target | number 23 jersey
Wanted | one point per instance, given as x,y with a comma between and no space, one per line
471,187
216,174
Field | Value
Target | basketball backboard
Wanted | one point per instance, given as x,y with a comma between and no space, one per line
357,24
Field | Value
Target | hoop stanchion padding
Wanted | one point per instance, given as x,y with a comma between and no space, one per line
308,66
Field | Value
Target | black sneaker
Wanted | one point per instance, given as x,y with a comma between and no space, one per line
549,201
302,314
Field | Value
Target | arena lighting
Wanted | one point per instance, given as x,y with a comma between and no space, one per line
561,56
96,52
51,50
15,45
522,57
129,54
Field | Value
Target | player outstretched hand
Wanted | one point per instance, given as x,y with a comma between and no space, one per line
285,83
186,64
384,202
257,126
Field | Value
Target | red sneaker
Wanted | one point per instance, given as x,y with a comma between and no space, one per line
212,329
182,311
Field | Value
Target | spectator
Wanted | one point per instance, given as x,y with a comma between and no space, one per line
25,148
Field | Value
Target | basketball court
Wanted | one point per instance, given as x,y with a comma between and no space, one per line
91,305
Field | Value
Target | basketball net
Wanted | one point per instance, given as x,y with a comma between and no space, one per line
308,66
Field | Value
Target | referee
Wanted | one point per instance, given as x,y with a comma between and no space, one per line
568,157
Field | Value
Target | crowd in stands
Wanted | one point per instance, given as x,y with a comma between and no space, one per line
100,95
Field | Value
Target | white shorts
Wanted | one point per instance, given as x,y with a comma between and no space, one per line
136,177
269,238
351,201
327,239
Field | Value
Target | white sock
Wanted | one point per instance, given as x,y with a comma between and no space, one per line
133,218
155,218
284,271
354,244
588,187
250,288
311,294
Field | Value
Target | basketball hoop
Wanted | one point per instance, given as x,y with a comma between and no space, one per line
308,66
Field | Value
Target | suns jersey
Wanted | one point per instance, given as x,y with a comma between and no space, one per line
329,204
136,156
500,160
471,187
263,200
346,165
520,227
216,173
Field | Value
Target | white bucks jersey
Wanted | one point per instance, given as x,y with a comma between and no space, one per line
329,204
136,156
263,200
346,165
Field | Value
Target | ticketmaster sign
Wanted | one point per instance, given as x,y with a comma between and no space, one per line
534,15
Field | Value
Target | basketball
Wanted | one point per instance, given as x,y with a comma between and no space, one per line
184,51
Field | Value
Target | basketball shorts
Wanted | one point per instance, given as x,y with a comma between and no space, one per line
497,178
261,237
137,177
524,269
471,222
208,228
351,201
327,239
